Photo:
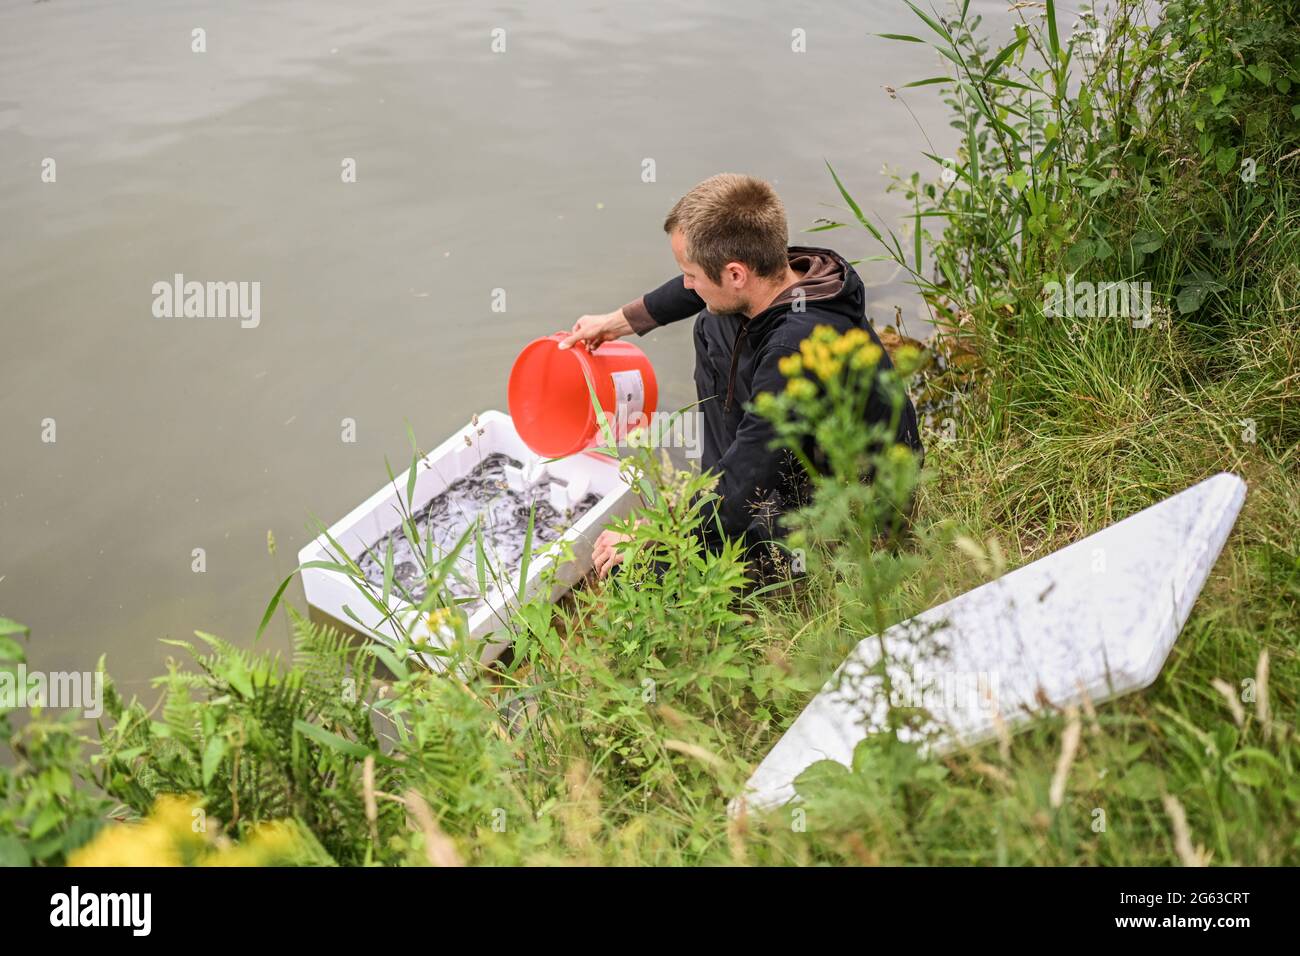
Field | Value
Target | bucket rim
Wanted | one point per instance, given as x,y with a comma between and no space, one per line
583,358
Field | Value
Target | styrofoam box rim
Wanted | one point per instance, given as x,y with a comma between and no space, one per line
367,523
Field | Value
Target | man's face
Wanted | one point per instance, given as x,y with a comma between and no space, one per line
727,296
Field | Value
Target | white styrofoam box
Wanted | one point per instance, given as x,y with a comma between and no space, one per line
1096,618
378,515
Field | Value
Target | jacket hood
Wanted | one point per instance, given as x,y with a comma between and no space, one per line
826,278
829,284
823,277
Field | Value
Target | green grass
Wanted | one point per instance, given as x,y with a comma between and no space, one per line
1066,428
633,710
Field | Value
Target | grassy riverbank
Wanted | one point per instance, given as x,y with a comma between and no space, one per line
631,712
1176,161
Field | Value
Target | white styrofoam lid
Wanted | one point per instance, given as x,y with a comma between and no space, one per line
1098,617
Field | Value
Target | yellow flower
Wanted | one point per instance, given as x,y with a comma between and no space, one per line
174,834
842,346
800,388
765,403
866,356
907,359
790,366
166,838
272,843
825,351
828,368
817,357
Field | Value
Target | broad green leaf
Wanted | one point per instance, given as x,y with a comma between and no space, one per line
932,23
1225,159
389,660
820,774
1253,767
46,820
213,754
236,675
1079,255
13,853
928,81
9,628
333,741
1053,36
527,555
388,572
1142,781
1147,241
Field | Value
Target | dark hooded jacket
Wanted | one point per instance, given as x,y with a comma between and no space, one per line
757,483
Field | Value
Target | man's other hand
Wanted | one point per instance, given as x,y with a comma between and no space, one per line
604,555
594,329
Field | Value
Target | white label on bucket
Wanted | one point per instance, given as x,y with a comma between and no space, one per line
629,395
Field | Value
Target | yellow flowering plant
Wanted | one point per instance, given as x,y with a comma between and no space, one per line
178,832
840,413
831,381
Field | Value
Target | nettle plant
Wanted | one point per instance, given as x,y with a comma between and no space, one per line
378,770
252,738
651,673
45,815
1246,101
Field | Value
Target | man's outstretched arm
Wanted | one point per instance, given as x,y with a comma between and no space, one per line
671,302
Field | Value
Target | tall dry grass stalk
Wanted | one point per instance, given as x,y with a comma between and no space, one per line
368,795
439,849
1069,747
1229,694
1262,711
1189,855
581,814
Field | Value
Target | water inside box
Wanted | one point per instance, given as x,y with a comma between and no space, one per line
484,493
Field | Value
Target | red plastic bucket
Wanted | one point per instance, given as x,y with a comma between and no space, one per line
550,402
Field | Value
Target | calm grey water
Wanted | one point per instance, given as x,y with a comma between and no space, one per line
475,171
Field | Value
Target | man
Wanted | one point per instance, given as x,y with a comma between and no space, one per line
756,299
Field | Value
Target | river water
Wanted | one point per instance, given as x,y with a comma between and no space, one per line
144,459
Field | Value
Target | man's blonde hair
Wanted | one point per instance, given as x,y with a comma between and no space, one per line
732,218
